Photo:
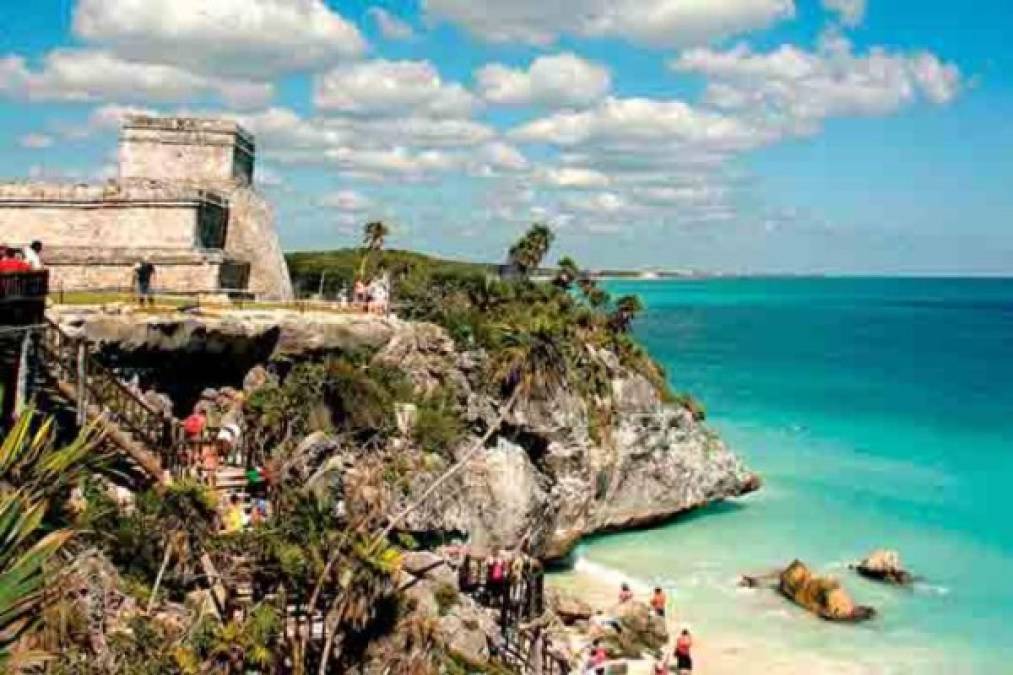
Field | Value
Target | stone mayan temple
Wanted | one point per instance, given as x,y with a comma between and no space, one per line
184,199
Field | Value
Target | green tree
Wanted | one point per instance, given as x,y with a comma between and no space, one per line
529,251
186,515
626,310
567,273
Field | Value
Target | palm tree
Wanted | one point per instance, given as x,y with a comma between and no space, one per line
374,234
567,274
529,251
531,361
627,308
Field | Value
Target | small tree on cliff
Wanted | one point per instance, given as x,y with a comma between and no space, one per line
529,251
374,234
627,308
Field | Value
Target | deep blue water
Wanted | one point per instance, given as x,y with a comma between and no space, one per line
880,413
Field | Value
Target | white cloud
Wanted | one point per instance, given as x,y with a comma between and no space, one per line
502,156
600,202
256,38
390,26
391,88
86,75
851,12
398,161
346,200
642,122
669,23
35,141
555,81
573,177
795,89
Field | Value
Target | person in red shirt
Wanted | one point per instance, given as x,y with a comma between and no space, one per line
10,262
193,426
599,657
683,660
658,601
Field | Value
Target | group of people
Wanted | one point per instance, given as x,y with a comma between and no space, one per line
501,579
207,449
372,297
25,259
680,656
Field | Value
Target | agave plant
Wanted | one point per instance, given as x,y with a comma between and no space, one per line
31,462
23,557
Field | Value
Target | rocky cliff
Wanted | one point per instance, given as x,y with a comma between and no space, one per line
549,478
555,472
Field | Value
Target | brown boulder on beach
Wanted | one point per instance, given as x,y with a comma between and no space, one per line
823,596
884,565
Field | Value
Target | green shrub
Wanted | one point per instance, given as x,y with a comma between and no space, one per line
446,597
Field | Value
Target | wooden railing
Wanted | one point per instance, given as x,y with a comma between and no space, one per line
520,601
33,285
95,384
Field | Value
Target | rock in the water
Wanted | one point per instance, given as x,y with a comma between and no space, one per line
884,565
568,608
632,629
822,596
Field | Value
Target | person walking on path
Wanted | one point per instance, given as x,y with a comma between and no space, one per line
683,659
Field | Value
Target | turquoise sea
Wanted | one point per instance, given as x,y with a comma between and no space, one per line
879,412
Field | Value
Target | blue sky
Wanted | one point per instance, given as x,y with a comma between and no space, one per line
843,136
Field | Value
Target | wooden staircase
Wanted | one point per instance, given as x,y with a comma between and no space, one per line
147,439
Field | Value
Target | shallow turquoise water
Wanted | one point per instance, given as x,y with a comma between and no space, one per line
880,413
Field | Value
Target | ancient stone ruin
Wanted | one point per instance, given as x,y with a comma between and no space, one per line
184,198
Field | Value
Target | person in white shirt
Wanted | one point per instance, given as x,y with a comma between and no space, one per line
33,255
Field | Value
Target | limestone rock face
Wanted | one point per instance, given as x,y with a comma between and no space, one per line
546,482
823,596
242,334
884,565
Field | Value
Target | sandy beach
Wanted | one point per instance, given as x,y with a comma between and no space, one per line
718,651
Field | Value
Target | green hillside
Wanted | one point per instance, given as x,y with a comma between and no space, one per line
338,268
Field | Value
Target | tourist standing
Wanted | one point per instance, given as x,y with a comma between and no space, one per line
33,255
9,261
625,594
658,602
144,274
683,659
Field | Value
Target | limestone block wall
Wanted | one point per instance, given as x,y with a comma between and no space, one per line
185,149
109,216
74,269
252,237
200,278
